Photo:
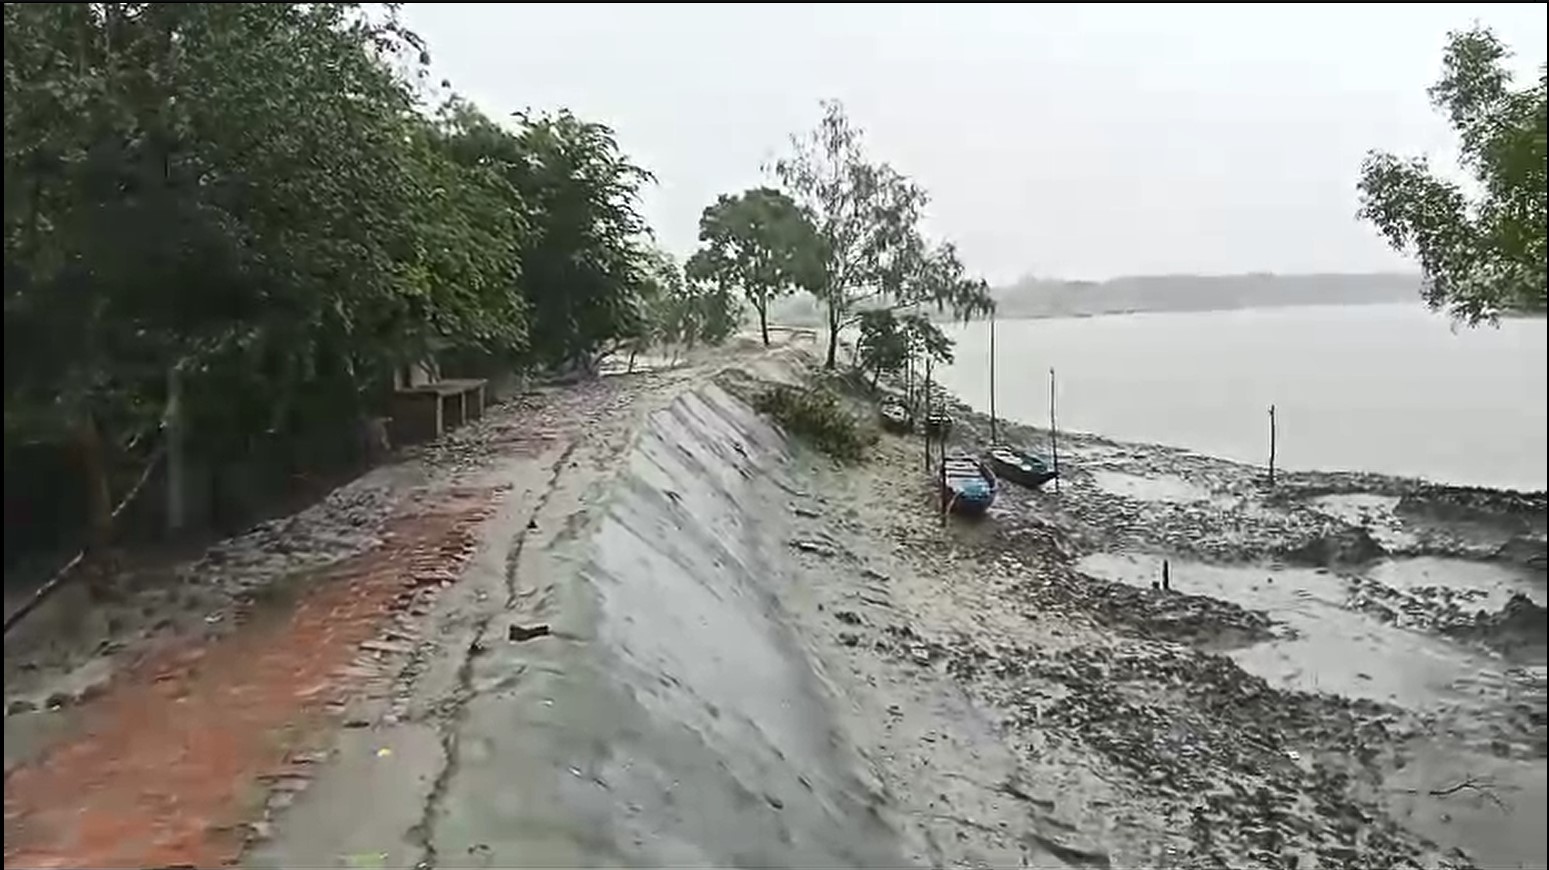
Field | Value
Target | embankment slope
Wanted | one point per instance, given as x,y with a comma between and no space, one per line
673,718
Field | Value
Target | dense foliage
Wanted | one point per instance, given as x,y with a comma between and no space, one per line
760,243
817,414
1482,255
889,342
684,311
252,199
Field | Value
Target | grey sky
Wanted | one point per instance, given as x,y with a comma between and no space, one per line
1077,141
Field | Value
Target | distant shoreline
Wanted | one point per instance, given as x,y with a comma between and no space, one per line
1043,299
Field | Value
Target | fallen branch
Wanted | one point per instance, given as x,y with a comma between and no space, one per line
1470,783
63,574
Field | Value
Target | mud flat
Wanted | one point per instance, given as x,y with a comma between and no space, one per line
1347,669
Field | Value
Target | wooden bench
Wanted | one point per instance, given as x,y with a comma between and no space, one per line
425,412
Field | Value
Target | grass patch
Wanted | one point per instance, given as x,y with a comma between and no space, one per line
817,416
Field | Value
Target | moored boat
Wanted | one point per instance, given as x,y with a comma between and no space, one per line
938,424
967,486
1020,466
896,417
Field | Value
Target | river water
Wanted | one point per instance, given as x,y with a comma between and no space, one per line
1384,388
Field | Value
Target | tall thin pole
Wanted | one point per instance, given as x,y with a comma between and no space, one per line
1271,446
994,428
1054,433
925,420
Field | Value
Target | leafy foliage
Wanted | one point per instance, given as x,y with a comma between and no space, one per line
682,312
867,219
817,415
584,268
759,242
1482,256
888,341
251,196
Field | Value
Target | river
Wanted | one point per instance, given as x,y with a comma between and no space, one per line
1384,388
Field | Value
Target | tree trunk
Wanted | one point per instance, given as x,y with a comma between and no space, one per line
763,320
177,485
99,500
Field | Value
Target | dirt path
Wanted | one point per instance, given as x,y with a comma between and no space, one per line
172,728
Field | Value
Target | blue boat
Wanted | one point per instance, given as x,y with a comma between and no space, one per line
967,486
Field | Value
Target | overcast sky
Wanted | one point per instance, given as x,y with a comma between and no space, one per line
1079,141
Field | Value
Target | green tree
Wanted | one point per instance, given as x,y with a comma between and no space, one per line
249,200
925,339
867,219
216,189
1481,255
759,242
584,268
882,345
689,311
890,341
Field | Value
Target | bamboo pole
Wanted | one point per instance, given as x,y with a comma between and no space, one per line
1271,446
994,427
941,485
925,419
1054,433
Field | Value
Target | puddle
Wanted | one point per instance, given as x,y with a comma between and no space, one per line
1491,584
1335,649
1377,514
1164,488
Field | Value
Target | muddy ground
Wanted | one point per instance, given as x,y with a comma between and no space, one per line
631,623
1348,670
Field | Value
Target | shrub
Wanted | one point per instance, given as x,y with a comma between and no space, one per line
817,416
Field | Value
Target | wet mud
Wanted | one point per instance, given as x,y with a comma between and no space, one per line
1347,669
683,638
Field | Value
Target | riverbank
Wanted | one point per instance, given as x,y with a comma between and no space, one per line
631,622
1348,667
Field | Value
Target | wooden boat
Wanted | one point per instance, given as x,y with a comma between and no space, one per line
938,424
1019,466
896,417
967,486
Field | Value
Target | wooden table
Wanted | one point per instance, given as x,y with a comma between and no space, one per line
427,411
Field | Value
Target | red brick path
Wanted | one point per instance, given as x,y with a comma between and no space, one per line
167,767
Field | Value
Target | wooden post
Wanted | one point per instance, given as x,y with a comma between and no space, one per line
994,428
925,419
1054,433
941,484
1271,446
